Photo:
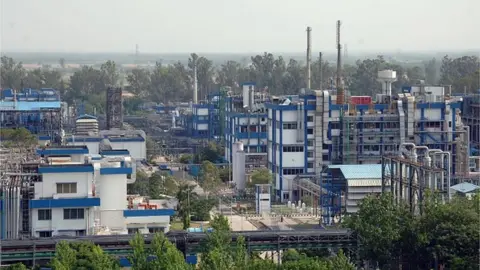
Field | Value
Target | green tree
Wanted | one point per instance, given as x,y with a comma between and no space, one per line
218,252
209,177
380,229
139,257
140,186
168,257
81,255
186,159
261,176
11,73
17,266
340,262
18,138
185,196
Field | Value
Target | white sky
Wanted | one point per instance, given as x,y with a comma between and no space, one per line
243,26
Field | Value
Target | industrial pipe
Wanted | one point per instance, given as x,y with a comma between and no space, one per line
414,150
402,146
449,165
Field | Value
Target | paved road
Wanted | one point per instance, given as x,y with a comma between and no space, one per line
239,223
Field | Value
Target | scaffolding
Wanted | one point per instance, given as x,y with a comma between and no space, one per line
409,180
114,108
366,137
46,122
19,172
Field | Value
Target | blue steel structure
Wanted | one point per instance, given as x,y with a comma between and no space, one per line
39,111
250,128
349,133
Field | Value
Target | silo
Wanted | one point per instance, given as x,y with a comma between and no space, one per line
238,162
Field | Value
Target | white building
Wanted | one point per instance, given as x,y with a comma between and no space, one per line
133,141
81,194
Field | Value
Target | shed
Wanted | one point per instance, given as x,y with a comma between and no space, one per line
465,189
360,181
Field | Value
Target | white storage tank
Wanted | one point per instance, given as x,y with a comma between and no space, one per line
238,164
248,95
86,125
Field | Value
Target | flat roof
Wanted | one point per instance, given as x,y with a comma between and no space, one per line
361,171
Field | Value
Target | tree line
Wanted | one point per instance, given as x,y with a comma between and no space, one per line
219,253
390,237
174,82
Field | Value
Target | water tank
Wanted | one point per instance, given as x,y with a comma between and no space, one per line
238,164
386,78
86,126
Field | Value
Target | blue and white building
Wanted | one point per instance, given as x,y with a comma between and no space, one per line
246,123
71,192
306,133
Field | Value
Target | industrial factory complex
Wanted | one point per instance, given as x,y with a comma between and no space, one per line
325,144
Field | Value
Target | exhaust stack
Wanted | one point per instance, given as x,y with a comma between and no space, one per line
309,57
340,90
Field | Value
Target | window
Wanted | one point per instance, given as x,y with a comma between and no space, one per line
132,230
310,143
45,234
290,126
325,157
310,165
293,149
310,154
156,229
73,213
310,118
263,128
80,233
310,131
63,188
292,171
44,214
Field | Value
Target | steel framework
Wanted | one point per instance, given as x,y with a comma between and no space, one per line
114,108
44,249
409,180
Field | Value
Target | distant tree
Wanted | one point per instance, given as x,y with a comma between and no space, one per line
168,257
139,257
12,74
261,176
185,196
186,159
140,82
461,73
209,177
110,73
61,61
140,186
17,138
431,71
82,255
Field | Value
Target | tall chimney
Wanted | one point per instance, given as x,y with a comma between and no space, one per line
195,82
320,68
309,57
340,93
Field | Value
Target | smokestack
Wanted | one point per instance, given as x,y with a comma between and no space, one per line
340,93
320,68
309,57
195,82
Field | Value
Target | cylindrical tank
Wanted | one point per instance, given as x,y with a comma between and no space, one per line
247,92
238,164
86,126
112,191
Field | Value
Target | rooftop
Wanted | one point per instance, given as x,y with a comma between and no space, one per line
364,171
465,187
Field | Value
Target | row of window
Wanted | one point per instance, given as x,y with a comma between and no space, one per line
293,149
48,234
68,213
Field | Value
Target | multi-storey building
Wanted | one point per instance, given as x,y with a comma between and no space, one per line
40,111
310,131
246,123
71,192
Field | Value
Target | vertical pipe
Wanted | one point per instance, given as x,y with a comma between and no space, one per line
320,69
195,82
309,58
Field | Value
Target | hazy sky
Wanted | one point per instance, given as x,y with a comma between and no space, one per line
161,26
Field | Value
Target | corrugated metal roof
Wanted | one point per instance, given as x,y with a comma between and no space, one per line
363,171
465,187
